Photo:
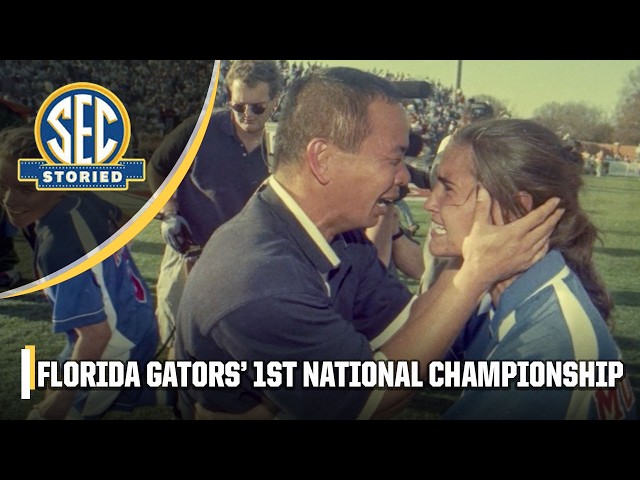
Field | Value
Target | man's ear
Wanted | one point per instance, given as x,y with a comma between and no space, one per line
276,104
318,155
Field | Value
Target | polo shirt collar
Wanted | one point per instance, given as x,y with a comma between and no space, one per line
227,124
323,256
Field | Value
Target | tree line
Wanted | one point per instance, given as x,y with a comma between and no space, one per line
579,121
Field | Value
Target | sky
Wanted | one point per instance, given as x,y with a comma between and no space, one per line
523,85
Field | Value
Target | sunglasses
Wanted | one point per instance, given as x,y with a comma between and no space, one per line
255,108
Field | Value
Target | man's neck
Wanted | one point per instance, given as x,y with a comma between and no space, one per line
311,201
251,141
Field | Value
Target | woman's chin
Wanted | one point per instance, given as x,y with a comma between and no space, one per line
442,251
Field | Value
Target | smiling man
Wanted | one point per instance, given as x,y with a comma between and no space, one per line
293,279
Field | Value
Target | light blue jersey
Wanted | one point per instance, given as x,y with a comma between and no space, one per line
547,315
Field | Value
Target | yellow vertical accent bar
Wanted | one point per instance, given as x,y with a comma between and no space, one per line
32,376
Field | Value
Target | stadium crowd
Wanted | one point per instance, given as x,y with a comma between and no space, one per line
158,94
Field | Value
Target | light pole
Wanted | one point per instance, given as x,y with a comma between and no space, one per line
458,79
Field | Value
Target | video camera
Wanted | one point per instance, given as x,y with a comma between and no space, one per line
417,164
479,110
413,88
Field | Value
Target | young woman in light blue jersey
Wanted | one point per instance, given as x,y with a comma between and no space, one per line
556,314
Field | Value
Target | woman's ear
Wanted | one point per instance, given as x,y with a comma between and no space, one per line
525,199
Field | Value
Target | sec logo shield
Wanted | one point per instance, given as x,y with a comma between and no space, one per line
82,131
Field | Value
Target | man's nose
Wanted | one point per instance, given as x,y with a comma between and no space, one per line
403,177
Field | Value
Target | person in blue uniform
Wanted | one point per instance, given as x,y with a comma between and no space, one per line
293,278
106,312
559,308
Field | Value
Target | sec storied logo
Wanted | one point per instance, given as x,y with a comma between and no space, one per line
82,131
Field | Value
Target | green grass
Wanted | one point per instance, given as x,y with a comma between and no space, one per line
611,202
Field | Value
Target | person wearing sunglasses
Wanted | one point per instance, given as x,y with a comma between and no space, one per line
230,165
292,277
559,309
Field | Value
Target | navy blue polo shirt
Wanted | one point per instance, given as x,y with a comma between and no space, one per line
269,287
222,177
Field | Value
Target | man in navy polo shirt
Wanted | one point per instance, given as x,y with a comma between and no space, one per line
292,279
230,165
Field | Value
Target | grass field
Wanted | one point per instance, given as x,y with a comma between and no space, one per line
612,202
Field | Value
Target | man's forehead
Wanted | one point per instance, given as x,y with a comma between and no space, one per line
240,91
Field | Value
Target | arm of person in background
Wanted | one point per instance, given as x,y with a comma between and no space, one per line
432,266
155,176
90,345
175,228
381,234
392,243
407,255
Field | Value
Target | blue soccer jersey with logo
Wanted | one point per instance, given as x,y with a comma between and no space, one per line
113,290
545,314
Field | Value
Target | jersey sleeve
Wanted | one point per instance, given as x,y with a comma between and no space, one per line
77,302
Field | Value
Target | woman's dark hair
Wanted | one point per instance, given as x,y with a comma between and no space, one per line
512,156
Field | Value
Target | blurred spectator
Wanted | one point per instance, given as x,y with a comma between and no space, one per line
144,86
9,274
